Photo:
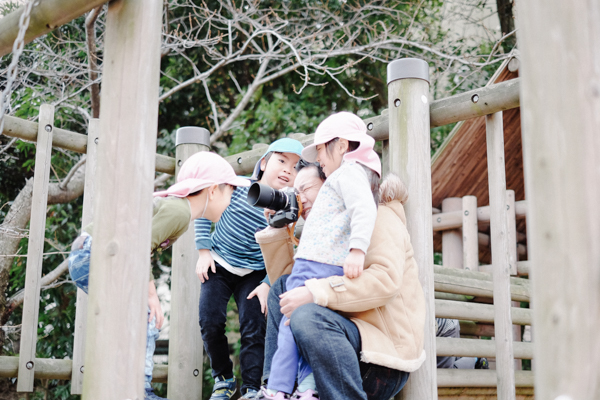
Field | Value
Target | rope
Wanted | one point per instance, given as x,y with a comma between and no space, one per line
18,46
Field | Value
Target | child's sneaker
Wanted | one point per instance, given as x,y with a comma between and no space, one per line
482,363
250,394
263,395
149,395
223,389
309,394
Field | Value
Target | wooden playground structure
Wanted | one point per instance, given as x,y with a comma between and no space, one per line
560,107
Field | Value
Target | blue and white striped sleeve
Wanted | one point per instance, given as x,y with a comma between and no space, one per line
202,233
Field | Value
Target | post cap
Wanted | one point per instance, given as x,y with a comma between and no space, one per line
192,135
407,68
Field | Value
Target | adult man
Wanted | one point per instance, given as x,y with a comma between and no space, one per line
368,351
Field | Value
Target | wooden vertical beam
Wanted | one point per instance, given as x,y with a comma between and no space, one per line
82,297
35,250
511,226
410,159
185,341
500,256
470,234
385,157
560,66
119,271
452,246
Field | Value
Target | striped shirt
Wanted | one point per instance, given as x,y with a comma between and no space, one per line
233,237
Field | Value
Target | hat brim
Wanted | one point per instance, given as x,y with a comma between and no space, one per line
188,186
309,153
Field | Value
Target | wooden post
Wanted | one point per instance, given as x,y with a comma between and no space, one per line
470,233
452,246
511,224
561,122
410,159
385,158
118,287
185,341
37,229
500,256
82,297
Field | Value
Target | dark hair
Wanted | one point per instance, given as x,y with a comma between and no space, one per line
305,164
221,187
267,157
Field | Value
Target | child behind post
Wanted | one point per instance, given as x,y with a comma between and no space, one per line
203,189
237,268
336,236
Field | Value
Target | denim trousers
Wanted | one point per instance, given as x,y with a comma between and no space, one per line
214,296
79,269
331,345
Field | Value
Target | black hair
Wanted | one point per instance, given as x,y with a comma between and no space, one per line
266,158
305,164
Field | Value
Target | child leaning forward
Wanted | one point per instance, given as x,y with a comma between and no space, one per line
203,189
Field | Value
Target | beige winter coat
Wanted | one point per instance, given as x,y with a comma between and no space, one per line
386,302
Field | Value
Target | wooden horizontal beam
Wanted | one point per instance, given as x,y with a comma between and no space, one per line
478,312
476,287
478,378
483,276
46,16
482,393
456,347
453,219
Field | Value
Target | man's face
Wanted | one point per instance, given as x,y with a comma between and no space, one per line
308,185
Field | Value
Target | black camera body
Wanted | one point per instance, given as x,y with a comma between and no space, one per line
284,202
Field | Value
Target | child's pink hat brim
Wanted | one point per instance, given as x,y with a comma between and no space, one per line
200,171
347,126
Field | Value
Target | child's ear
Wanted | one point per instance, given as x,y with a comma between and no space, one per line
263,164
211,191
344,145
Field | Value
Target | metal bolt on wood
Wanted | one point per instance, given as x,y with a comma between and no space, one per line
29,365
475,98
48,128
370,126
397,102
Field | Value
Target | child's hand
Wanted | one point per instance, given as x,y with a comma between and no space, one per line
154,306
268,213
353,266
293,299
262,292
205,261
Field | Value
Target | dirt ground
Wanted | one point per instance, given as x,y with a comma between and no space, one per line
8,390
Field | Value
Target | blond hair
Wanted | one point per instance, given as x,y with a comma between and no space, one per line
392,188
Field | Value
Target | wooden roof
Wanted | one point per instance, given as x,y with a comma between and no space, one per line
459,167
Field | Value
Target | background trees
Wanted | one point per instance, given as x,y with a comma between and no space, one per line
250,72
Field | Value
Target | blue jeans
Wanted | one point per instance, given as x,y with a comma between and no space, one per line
214,296
79,269
331,345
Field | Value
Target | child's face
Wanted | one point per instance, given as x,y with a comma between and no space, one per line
279,171
218,202
332,159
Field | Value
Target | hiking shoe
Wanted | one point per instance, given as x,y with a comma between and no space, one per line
482,363
149,395
263,395
250,394
223,389
309,394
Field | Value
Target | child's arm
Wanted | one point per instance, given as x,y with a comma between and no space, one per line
203,245
154,306
354,263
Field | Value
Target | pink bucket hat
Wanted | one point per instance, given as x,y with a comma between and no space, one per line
347,126
202,170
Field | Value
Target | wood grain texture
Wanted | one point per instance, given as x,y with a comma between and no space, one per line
500,256
470,233
118,290
35,249
561,122
452,243
185,343
82,297
410,159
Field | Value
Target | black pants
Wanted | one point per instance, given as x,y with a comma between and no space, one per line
214,296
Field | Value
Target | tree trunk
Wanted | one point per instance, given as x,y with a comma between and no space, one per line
16,221
507,23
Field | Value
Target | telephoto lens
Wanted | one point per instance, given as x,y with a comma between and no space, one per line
260,195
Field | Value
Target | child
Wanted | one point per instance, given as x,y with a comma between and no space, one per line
203,189
336,236
237,267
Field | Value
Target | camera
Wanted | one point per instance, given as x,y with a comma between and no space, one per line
284,202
